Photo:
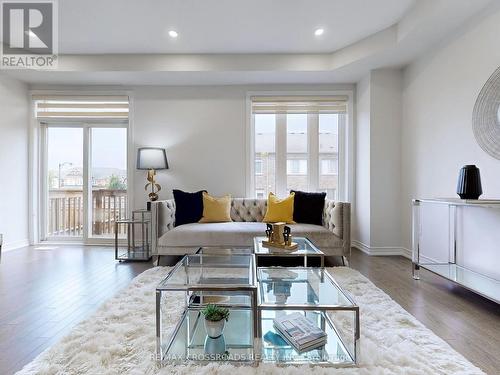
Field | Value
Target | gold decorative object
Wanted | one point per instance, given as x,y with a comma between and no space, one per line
279,236
153,195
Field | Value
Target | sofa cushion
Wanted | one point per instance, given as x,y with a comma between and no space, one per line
188,206
238,234
279,210
216,210
308,207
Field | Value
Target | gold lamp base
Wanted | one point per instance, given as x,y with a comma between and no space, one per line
155,187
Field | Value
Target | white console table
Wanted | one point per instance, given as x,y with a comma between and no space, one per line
440,244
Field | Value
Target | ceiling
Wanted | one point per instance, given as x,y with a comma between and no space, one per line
229,42
220,26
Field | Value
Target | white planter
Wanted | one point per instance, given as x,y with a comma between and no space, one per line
214,329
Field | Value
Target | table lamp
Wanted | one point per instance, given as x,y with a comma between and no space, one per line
152,159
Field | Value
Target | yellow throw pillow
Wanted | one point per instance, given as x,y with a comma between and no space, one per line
216,210
279,209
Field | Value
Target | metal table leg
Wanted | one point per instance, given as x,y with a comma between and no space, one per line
159,354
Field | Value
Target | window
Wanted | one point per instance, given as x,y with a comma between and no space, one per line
258,167
68,214
296,167
108,173
264,153
296,152
298,144
329,153
84,171
64,213
328,166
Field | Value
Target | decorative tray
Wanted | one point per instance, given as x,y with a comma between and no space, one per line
292,246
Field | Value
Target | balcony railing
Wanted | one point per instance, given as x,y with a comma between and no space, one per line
66,211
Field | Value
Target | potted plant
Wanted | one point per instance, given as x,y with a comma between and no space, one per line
215,319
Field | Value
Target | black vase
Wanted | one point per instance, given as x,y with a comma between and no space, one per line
469,182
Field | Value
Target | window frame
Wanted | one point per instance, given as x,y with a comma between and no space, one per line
345,146
36,204
86,126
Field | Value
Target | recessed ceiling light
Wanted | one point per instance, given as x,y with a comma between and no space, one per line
319,32
173,34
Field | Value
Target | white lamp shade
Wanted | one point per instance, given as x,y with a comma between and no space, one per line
151,158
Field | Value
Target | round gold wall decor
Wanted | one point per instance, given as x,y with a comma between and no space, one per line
486,116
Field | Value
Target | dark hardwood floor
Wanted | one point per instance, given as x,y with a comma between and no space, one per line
45,292
468,322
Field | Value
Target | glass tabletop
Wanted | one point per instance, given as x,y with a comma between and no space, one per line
275,349
305,247
484,285
191,342
300,287
211,272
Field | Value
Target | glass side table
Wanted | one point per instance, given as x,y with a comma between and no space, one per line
314,293
227,281
138,244
305,250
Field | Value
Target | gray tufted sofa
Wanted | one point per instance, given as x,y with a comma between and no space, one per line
333,237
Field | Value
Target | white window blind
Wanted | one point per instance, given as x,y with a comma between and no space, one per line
299,104
83,106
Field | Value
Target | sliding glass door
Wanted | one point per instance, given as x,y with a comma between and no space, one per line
84,180
64,182
108,176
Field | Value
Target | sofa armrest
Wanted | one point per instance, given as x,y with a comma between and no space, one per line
163,220
337,219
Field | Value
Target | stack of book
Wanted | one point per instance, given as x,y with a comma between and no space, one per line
300,332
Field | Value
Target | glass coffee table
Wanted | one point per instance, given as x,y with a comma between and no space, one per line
254,296
306,249
314,293
227,281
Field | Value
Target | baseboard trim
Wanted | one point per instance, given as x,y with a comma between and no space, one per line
426,259
381,251
407,253
9,246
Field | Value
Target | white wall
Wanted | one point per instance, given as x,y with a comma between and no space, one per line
361,215
14,106
203,129
385,159
439,93
378,152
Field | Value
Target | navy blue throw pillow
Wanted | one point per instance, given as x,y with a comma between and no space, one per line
308,207
188,207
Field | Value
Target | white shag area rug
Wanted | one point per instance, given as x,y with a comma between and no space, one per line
120,338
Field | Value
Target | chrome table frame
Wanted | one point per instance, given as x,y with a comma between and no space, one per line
257,306
251,290
451,269
323,308
140,218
